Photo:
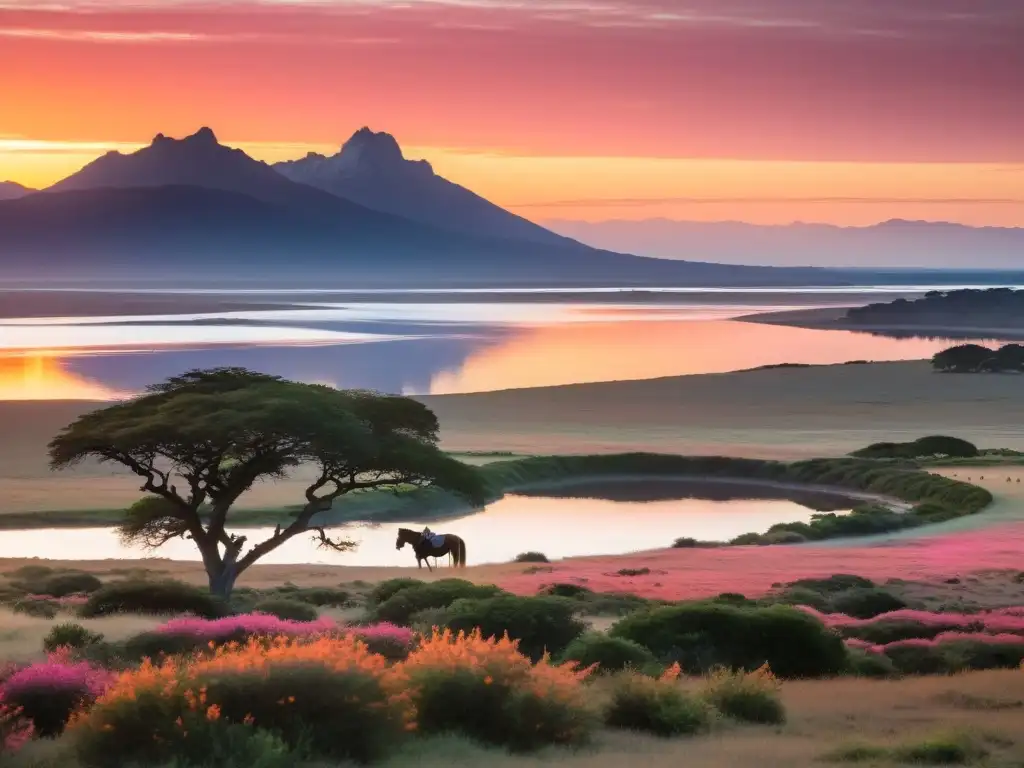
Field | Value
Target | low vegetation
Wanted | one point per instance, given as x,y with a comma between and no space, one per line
975,358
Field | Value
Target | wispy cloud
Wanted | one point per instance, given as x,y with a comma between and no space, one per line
105,36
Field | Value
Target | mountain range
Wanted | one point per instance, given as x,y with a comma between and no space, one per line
194,208
10,190
891,244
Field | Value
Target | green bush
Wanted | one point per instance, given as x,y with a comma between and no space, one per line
290,610
385,590
749,698
153,597
64,584
912,658
945,749
540,624
701,636
574,591
495,712
400,607
155,645
71,635
40,609
865,602
966,654
659,707
875,665
531,557
322,596
611,654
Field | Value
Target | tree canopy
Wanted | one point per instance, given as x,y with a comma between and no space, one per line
201,440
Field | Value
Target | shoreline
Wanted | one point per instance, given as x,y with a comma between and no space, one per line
830,319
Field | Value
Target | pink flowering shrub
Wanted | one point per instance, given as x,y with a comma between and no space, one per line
48,692
389,640
245,625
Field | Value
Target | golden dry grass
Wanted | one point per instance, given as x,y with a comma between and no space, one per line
21,636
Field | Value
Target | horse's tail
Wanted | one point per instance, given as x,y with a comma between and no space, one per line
462,553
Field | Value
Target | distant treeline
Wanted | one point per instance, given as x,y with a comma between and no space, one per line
974,358
989,308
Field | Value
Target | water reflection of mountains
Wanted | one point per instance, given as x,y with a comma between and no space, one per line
652,490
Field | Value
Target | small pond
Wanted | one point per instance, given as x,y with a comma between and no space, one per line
570,520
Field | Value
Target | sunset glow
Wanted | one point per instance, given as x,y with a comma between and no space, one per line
608,109
43,376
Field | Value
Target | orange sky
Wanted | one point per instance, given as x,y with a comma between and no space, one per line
851,111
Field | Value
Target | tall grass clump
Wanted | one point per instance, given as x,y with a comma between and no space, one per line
329,698
487,690
750,697
658,706
69,635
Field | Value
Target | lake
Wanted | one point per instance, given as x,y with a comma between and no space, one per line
587,523
419,342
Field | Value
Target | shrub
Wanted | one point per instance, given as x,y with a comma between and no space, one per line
400,607
863,663
154,597
49,692
688,543
945,749
539,624
655,705
531,557
489,691
289,610
70,635
71,583
865,602
40,609
329,697
799,596
702,636
982,652
917,657
783,537
385,590
322,596
392,642
609,654
751,697
634,571
574,591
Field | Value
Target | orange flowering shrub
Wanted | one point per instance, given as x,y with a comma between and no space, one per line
657,705
752,697
326,697
490,691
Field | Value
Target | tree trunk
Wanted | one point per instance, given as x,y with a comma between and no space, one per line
222,580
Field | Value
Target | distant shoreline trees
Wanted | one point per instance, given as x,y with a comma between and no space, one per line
974,358
988,308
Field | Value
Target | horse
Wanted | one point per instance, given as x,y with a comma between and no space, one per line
453,546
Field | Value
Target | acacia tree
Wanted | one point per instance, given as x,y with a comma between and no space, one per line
202,439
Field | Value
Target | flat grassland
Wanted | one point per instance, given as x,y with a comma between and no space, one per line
781,413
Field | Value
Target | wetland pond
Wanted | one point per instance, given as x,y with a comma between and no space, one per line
594,517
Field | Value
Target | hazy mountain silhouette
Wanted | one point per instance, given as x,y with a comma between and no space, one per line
891,244
194,233
11,190
193,208
371,170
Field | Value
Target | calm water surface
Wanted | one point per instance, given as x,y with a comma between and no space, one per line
559,527
421,343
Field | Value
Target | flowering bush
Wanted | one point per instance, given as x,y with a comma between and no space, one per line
49,692
488,690
245,624
751,697
656,705
389,640
327,696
